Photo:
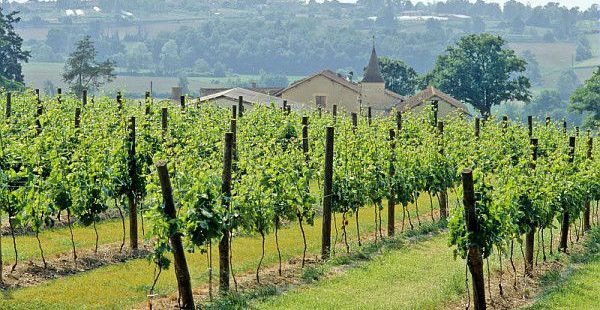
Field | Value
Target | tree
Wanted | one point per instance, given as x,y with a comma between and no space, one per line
480,71
587,98
517,26
11,52
398,76
82,71
567,83
533,68
584,50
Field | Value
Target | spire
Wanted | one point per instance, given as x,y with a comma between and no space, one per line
373,74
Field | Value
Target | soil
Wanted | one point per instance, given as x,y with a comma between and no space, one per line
30,273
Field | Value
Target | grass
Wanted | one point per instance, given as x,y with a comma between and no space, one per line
578,287
125,285
422,276
58,240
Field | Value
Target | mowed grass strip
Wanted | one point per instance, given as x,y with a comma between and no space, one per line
58,240
421,276
126,285
578,287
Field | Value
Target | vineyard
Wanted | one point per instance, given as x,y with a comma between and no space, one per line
168,181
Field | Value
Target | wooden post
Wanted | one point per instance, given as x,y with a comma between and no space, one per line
59,94
40,111
477,127
240,106
565,127
132,167
8,104
182,273
577,131
334,112
530,235
120,101
182,102
435,106
443,196
226,191
504,123
284,105
530,125
165,121
327,192
548,121
233,112
564,229
474,255
233,130
305,138
84,97
392,196
354,121
399,121
587,211
37,93
77,117
369,115
320,111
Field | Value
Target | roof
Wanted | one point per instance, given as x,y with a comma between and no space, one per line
338,78
373,74
250,97
428,94
264,90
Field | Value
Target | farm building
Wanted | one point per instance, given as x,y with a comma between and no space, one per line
446,103
327,88
230,97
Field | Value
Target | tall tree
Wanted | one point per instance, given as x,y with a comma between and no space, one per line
587,99
83,71
480,71
398,76
11,52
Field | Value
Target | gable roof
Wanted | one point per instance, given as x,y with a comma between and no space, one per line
337,78
250,97
373,74
429,93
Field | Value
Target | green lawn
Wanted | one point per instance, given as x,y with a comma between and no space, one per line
421,276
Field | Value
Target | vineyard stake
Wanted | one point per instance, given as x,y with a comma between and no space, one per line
182,102
284,105
548,120
443,196
233,129
120,101
165,121
305,139
564,229
8,104
392,195
84,97
40,110
77,117
240,106
474,256
530,125
327,192
224,262
399,121
435,106
369,115
234,112
504,123
565,127
182,273
334,112
587,212
477,127
530,236
354,121
132,167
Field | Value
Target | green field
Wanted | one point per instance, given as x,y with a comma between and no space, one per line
36,74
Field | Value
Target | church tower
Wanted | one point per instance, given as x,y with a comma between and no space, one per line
372,86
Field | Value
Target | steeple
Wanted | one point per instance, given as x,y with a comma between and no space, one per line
373,74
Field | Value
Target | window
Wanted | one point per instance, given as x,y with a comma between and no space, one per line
321,101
